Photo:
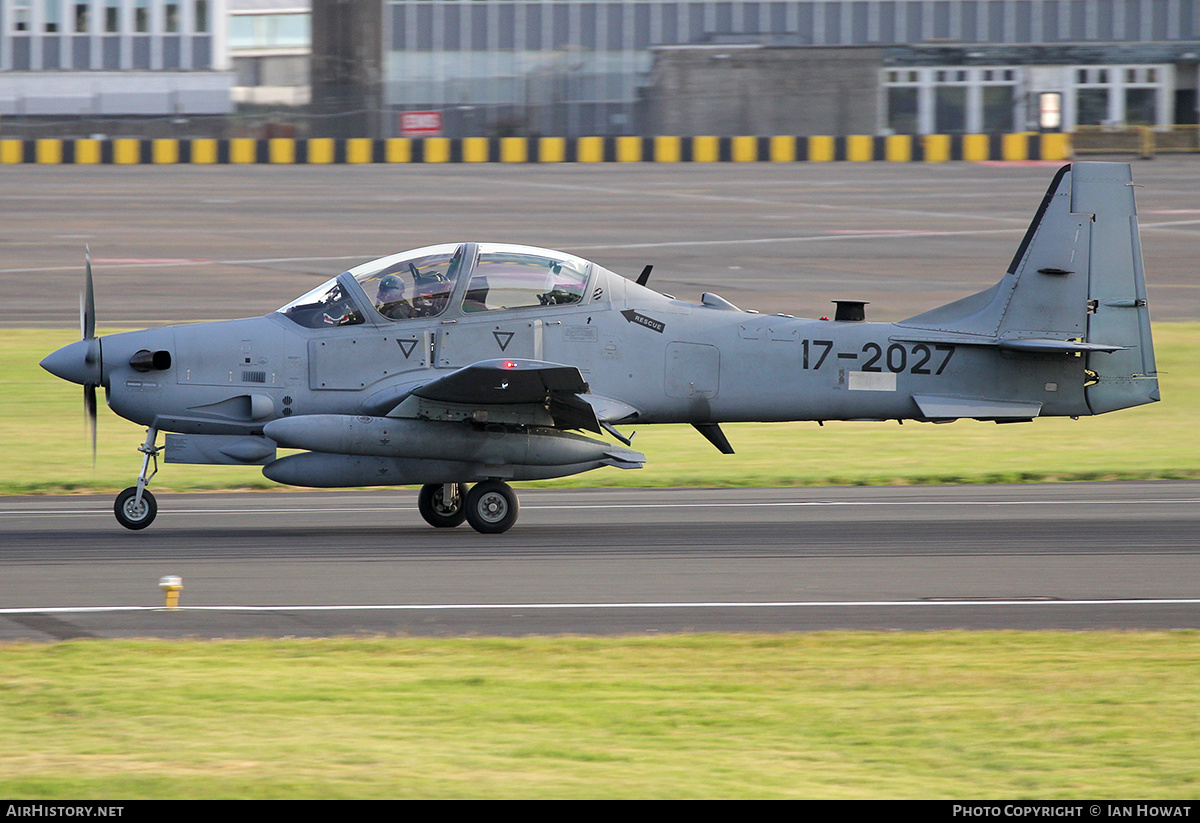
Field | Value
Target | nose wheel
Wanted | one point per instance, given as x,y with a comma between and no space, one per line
491,507
136,507
134,513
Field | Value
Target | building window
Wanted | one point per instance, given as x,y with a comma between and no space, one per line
81,17
21,15
1091,107
902,109
1141,106
1116,96
950,107
998,108
51,14
141,16
269,31
951,101
112,17
171,19
201,16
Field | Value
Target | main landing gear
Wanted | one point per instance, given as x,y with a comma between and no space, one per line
490,506
136,507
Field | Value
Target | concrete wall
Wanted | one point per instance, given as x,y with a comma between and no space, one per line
729,90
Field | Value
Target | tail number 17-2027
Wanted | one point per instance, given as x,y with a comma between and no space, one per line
918,358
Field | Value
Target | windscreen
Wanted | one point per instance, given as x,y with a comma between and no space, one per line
326,305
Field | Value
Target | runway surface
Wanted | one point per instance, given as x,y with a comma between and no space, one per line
1072,556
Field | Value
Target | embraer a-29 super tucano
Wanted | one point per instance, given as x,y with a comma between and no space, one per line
476,363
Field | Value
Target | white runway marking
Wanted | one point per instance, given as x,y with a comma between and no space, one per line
770,604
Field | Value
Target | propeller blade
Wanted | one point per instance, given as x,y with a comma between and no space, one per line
87,304
87,328
89,408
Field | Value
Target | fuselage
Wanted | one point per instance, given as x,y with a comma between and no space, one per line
668,361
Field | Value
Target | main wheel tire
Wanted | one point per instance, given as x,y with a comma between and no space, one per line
436,513
491,507
130,514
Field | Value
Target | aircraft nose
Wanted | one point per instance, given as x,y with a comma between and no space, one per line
79,362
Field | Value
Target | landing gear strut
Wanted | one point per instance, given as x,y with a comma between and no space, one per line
136,507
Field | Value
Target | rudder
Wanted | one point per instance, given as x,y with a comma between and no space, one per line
1117,310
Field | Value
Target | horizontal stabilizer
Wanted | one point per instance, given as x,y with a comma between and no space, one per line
1047,346
936,407
1031,345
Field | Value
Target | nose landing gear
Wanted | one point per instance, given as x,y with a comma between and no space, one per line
136,507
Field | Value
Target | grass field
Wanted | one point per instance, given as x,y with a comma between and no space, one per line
43,439
835,715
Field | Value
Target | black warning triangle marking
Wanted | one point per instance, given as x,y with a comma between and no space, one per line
503,338
407,346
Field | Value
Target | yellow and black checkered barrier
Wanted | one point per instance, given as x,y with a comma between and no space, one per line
929,148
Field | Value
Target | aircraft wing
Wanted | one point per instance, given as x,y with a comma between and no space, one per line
522,392
504,382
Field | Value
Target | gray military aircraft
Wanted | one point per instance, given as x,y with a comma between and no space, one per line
476,363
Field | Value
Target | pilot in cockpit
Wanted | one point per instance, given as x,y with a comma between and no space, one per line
390,298
431,292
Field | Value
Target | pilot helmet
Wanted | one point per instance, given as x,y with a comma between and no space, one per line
391,283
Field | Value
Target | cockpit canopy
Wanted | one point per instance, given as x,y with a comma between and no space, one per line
451,278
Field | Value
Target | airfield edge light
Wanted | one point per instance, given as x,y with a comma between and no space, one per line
171,585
